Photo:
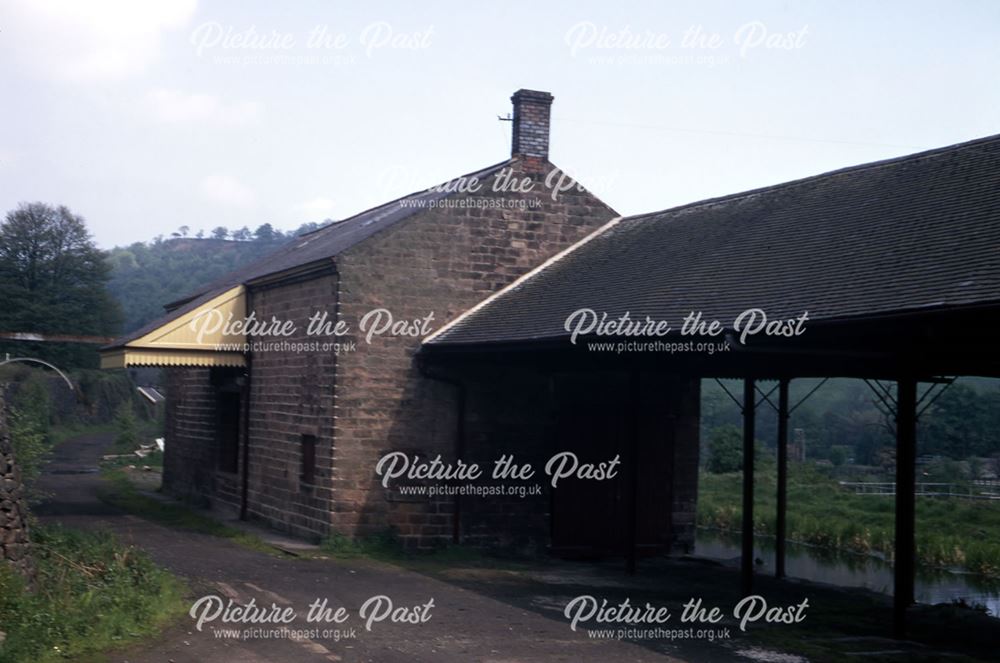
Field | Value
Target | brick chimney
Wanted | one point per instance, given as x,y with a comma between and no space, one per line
532,110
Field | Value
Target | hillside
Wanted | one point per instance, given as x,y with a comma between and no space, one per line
147,275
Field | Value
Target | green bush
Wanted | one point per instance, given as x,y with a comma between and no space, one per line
126,428
31,399
725,450
31,449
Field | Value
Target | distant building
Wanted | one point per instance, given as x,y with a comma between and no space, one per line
797,446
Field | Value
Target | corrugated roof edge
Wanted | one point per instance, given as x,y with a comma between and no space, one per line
430,338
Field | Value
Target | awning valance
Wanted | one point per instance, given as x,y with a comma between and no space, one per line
196,337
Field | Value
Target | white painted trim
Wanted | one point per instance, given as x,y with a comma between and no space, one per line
520,281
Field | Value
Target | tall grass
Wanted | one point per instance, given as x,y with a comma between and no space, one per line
91,594
951,532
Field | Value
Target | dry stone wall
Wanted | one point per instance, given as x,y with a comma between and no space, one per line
14,545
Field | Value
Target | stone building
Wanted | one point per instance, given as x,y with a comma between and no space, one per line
290,433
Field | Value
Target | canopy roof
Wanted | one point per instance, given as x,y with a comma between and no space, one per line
195,337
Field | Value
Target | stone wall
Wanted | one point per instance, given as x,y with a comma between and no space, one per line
291,398
442,261
190,456
14,541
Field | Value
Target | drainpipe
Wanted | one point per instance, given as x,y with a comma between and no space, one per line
460,392
245,423
334,381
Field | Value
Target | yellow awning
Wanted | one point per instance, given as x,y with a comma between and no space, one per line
194,338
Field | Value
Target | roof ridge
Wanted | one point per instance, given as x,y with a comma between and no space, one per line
487,169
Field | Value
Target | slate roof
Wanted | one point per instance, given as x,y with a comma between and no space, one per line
910,234
321,244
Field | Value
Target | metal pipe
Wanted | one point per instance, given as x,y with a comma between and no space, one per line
245,423
905,545
746,554
780,524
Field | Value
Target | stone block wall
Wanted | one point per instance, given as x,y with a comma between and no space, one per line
190,457
442,261
292,396
15,546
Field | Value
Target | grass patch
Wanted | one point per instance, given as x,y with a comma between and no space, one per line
92,594
951,532
384,546
118,491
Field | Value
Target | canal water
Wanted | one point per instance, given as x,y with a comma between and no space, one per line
851,570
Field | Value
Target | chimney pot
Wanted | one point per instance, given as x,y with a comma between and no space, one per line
532,113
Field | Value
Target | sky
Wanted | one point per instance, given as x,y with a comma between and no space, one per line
146,116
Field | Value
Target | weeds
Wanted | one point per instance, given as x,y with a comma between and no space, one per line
92,594
118,491
950,532
385,546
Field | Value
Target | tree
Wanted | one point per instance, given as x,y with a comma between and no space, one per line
242,235
53,277
146,275
184,230
219,232
200,234
961,423
307,227
725,450
266,233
